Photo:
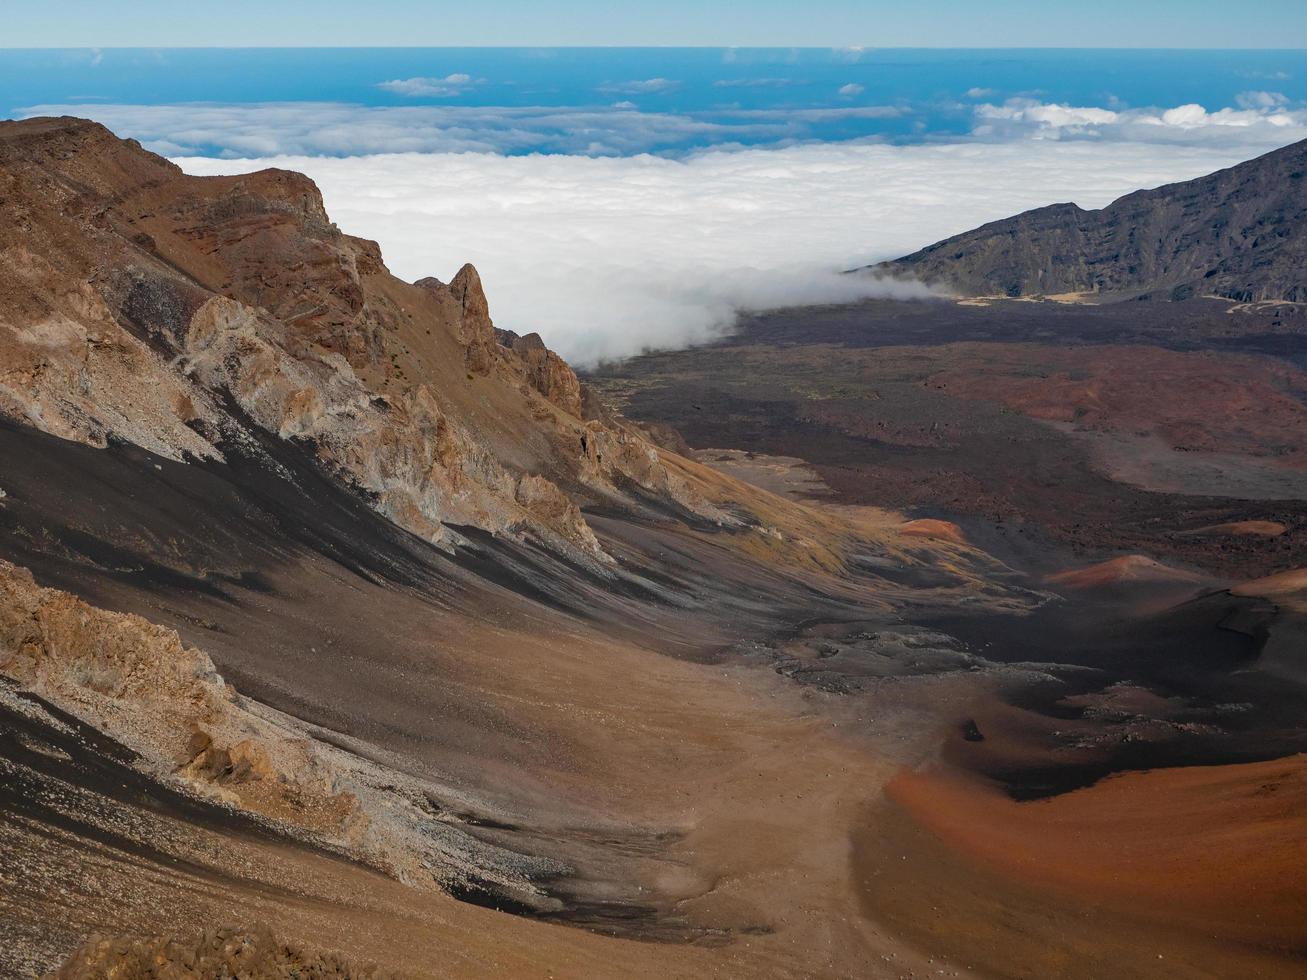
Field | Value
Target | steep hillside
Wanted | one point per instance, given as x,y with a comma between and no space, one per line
175,312
1239,233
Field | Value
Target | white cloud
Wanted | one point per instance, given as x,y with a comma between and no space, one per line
816,115
455,84
620,129
1258,125
980,93
1048,116
1276,76
1261,100
646,86
852,88
606,256
753,82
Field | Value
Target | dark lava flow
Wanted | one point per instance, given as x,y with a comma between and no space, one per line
1107,690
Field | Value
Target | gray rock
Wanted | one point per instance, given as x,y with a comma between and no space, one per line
1238,233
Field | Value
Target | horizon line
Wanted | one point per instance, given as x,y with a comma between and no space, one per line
864,48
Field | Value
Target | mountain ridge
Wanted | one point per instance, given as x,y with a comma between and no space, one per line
146,302
1238,234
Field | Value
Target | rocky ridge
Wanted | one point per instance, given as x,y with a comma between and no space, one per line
143,305
1237,234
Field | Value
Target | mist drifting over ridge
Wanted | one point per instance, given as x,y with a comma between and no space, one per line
606,257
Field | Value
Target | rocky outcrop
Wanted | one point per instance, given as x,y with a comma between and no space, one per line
422,466
613,453
216,953
1239,234
74,372
138,683
470,313
545,371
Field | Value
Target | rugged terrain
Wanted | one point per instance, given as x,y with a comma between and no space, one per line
1239,234
1141,461
331,613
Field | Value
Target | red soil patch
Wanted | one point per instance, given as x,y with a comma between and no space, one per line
1290,585
1260,529
1117,571
1248,404
929,527
1218,849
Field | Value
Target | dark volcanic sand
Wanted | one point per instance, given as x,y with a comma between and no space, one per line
878,434
1031,494
1194,325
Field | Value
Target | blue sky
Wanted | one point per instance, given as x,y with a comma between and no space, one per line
926,23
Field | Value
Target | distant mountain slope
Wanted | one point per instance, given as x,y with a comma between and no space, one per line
1239,233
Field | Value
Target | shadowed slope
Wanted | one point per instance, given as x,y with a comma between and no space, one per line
1239,233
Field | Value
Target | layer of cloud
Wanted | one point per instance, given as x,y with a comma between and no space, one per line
852,88
422,87
608,256
336,129
1261,120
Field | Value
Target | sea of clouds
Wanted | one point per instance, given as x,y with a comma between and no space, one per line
607,255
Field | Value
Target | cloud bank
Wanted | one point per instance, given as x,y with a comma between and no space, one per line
583,234
334,129
606,257
1260,121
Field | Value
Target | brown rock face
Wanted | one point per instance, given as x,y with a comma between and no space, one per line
139,303
545,371
1238,233
475,329
139,682
465,298
218,952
